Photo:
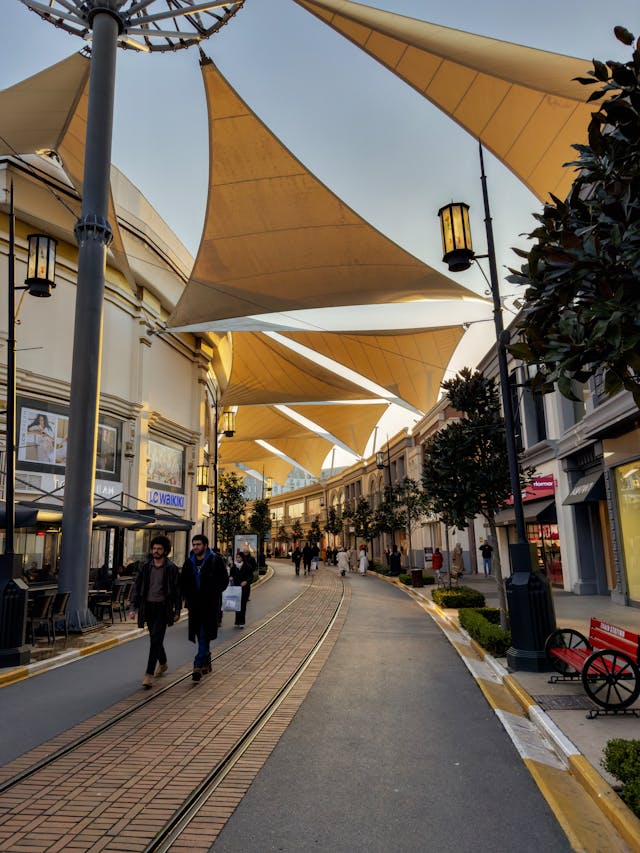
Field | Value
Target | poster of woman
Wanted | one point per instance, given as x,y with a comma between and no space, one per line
37,437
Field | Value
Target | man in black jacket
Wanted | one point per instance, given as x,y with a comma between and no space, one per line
156,597
204,577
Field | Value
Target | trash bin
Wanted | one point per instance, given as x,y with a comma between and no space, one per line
416,578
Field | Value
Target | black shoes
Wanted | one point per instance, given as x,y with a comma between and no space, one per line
196,675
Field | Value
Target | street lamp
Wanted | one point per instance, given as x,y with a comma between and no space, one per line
41,268
202,478
380,464
143,27
531,613
228,430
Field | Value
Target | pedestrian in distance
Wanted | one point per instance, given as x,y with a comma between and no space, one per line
296,558
315,556
486,550
204,577
363,562
394,562
343,562
157,600
242,575
353,559
437,561
457,560
306,558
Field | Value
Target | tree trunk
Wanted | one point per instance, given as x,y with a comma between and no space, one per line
497,574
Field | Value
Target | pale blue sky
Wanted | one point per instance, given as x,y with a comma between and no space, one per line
374,141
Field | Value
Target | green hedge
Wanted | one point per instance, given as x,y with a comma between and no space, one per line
482,624
461,596
622,760
408,579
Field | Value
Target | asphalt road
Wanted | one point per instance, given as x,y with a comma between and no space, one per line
394,749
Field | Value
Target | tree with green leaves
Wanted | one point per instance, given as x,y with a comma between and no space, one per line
296,530
361,515
231,507
466,471
581,311
283,534
410,507
334,523
315,533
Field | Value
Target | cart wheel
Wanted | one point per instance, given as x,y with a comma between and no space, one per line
564,638
611,679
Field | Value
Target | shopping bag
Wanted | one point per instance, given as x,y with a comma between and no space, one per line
231,598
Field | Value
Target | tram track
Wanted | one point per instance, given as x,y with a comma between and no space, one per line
37,766
191,806
159,769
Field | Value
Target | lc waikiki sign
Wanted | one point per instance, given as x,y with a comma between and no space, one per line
156,497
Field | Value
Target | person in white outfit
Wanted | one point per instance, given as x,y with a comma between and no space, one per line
363,562
343,561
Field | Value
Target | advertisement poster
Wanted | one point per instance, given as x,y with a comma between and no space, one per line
42,439
246,540
166,464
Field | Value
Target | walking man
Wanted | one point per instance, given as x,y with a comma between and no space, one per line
156,597
486,550
204,577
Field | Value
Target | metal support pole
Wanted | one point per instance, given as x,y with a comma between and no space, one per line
215,475
531,612
93,235
393,518
13,589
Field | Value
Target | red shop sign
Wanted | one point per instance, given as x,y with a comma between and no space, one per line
543,486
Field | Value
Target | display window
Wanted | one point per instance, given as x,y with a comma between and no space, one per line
547,541
627,478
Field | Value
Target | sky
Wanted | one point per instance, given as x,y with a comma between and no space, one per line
384,149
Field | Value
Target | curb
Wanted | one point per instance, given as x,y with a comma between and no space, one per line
603,795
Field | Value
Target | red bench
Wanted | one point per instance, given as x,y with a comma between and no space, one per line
607,662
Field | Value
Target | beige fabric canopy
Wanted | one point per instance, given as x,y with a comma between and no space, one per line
351,423
254,456
276,239
265,372
520,102
409,364
48,112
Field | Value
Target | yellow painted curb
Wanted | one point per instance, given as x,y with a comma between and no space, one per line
518,692
615,810
13,675
99,647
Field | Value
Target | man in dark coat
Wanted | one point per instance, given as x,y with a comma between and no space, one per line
204,577
306,558
156,597
394,562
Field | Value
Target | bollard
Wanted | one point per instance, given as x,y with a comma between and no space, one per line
13,613
532,619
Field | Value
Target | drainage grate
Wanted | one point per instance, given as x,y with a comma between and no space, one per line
565,703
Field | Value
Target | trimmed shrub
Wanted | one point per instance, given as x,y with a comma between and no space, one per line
482,623
461,596
622,759
407,580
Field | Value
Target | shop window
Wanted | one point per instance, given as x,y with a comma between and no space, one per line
628,490
547,541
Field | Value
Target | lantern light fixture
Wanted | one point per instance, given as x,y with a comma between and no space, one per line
202,477
456,236
229,423
269,487
380,460
41,265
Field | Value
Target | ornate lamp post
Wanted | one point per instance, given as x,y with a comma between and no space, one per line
41,270
138,25
531,611
228,430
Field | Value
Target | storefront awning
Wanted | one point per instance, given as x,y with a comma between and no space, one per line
167,522
588,488
28,514
543,511
128,519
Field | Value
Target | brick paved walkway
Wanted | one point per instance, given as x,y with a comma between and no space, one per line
115,792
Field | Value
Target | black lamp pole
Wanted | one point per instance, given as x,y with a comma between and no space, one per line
531,612
13,589
380,464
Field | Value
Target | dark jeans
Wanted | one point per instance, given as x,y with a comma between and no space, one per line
156,618
240,614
